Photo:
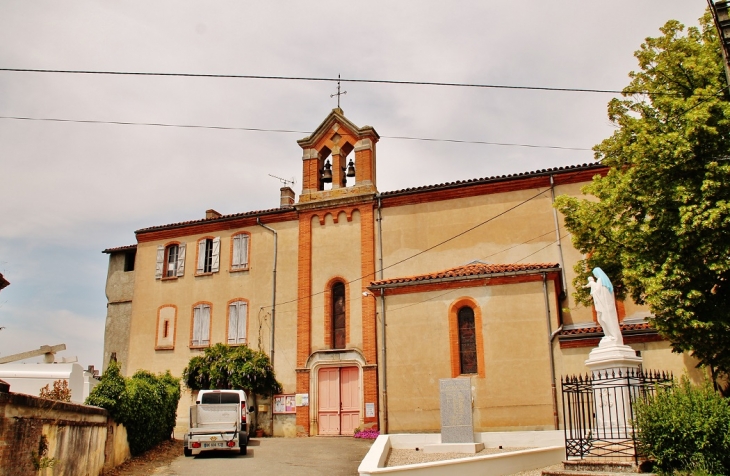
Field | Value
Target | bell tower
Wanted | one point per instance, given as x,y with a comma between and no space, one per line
338,160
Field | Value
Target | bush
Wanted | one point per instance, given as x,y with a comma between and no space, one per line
686,427
146,404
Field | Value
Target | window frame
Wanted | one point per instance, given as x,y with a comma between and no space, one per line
211,259
329,315
192,344
228,321
158,346
163,261
234,268
454,336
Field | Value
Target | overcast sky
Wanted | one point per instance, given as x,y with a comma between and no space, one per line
70,190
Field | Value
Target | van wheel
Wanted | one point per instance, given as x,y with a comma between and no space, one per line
243,449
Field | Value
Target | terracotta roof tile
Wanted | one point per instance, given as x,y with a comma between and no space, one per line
458,183
120,248
471,269
494,178
641,326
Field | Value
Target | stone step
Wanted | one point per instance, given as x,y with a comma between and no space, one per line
601,466
569,472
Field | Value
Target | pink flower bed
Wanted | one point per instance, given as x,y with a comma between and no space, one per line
367,434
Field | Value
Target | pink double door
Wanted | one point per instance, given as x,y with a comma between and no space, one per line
339,400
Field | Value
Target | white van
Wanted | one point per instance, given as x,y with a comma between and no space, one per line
219,420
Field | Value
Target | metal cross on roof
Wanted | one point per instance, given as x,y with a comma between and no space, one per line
338,94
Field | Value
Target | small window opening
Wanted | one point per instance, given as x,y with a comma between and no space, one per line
339,333
171,261
467,341
129,257
166,330
208,262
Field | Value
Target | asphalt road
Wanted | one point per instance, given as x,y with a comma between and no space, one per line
330,456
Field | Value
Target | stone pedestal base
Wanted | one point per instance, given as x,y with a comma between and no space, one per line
470,448
613,358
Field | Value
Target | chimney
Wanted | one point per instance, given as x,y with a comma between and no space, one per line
287,197
212,214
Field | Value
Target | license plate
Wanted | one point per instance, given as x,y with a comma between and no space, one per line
214,445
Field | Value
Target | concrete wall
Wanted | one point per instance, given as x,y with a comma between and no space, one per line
82,440
119,292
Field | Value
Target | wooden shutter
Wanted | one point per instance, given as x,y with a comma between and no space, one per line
205,325
232,322
181,259
196,326
244,251
201,257
160,260
242,313
215,264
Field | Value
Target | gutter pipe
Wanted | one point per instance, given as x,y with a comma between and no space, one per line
551,336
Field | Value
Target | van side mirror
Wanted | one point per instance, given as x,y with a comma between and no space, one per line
251,409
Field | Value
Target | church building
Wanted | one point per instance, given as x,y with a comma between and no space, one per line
364,299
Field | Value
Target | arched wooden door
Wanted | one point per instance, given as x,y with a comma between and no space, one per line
338,400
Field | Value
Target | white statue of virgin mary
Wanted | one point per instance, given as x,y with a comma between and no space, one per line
605,304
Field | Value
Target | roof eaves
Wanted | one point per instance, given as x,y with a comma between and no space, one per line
465,277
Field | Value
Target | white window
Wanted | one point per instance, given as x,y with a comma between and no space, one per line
201,325
209,250
237,316
170,261
240,252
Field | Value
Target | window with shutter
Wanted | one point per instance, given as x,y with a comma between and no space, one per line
239,254
168,261
200,335
208,255
237,318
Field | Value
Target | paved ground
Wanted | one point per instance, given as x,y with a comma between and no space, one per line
330,456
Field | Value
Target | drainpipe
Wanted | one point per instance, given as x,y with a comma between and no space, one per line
557,235
273,314
273,292
551,336
382,323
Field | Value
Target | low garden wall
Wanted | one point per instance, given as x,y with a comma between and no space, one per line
66,438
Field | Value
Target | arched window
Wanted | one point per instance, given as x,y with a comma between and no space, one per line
170,261
339,322
467,341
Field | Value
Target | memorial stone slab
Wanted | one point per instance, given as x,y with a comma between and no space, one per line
456,413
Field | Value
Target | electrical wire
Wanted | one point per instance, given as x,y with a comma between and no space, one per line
286,131
344,80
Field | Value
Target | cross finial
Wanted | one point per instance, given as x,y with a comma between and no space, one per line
338,94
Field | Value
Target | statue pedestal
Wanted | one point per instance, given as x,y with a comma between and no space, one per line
615,370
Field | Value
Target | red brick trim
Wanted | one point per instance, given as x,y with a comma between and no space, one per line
304,291
593,341
367,270
454,335
302,419
210,331
228,319
174,329
212,226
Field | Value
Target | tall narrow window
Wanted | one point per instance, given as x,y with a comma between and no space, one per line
467,341
208,255
201,326
170,261
239,258
237,314
339,329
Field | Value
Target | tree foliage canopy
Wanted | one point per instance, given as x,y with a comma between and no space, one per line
239,367
661,225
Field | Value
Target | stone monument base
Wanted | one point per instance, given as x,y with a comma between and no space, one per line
613,358
469,448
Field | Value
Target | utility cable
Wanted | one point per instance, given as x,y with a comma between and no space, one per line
344,80
287,131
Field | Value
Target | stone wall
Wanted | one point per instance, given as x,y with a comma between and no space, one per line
80,439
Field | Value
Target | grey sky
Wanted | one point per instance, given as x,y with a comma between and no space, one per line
70,190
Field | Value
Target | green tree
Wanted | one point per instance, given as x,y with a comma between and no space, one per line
239,367
660,227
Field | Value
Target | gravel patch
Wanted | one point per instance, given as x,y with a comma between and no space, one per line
411,456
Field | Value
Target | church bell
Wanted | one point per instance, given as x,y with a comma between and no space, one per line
351,169
327,172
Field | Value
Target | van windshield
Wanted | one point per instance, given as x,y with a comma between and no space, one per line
220,398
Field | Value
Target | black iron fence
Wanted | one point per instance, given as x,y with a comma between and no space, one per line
598,411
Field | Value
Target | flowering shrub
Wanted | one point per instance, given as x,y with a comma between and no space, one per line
367,434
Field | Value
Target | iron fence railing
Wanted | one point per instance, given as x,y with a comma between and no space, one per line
598,411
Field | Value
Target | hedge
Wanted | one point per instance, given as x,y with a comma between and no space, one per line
146,404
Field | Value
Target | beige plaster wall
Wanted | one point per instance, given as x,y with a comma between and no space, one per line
336,252
515,392
255,285
119,292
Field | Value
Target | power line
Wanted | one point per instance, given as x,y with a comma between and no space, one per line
323,79
286,131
